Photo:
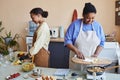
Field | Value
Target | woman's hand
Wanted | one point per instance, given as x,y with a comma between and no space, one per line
31,57
80,55
77,52
94,55
97,51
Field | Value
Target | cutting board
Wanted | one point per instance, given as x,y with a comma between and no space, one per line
92,61
75,15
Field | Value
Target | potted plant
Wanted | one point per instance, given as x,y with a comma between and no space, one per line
8,42
8,37
13,41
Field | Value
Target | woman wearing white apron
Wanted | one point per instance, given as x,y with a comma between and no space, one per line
84,37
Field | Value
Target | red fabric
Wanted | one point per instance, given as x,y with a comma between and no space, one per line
75,15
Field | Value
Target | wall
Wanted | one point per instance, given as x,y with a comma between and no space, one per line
15,14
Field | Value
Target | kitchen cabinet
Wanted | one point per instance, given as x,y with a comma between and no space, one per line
59,55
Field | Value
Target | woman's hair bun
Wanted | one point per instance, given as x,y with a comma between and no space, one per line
45,14
88,4
88,8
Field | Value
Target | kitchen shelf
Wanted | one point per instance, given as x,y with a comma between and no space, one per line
117,12
110,39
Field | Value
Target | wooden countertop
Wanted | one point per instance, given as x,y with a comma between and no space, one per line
57,39
29,39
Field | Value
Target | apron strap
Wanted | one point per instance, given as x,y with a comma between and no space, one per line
33,59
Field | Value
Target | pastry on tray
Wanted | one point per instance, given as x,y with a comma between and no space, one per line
46,78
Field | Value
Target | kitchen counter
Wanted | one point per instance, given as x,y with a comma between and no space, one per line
10,69
30,38
57,39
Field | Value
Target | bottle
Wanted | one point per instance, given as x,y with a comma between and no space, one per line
11,55
61,29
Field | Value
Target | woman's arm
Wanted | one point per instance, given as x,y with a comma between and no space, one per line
97,51
101,36
77,52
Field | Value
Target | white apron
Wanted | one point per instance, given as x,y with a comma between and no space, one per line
86,42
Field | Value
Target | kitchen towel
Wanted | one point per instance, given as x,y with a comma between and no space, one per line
61,72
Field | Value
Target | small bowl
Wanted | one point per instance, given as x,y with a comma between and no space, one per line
27,66
35,72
